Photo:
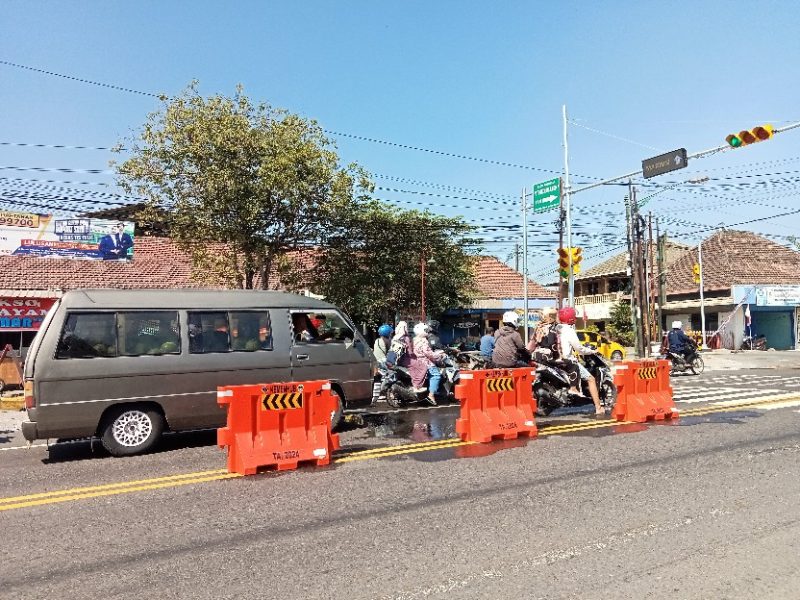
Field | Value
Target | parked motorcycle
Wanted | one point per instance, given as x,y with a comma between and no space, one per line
398,389
551,386
758,342
679,364
472,360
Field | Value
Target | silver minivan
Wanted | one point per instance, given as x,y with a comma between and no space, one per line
126,365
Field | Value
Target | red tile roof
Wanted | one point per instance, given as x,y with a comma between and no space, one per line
735,258
495,279
158,263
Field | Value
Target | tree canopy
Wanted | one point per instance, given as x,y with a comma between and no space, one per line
240,183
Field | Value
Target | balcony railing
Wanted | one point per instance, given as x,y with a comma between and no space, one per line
598,298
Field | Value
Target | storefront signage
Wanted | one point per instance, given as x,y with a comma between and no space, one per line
778,295
48,236
466,325
23,314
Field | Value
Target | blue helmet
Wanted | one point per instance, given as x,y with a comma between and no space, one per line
385,330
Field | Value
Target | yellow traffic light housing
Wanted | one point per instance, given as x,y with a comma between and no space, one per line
563,262
744,138
577,257
696,273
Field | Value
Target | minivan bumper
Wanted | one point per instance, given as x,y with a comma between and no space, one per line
29,430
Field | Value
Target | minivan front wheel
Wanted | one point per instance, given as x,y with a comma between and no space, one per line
128,430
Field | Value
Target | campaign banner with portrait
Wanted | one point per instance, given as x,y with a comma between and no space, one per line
49,236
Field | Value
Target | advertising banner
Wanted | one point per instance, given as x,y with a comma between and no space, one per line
23,314
48,236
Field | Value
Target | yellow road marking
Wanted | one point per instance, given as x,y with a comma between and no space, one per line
156,483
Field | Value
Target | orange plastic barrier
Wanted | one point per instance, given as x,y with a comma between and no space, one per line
277,425
496,403
644,392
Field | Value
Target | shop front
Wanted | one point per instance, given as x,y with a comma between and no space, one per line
773,313
20,318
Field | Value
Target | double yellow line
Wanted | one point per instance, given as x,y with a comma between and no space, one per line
155,483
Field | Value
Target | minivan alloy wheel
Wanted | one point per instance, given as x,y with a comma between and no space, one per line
132,428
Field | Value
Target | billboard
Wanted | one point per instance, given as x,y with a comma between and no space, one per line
49,236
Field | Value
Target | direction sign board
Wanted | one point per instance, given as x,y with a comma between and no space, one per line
547,195
664,163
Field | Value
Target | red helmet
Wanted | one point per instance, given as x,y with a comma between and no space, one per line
567,315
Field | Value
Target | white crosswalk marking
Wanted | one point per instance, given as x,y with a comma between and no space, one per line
792,399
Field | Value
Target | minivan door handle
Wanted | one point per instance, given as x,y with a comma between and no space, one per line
302,357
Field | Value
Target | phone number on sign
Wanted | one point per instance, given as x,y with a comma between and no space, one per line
13,220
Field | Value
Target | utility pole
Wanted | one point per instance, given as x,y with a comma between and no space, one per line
651,299
516,257
662,276
561,219
567,192
702,301
629,216
641,273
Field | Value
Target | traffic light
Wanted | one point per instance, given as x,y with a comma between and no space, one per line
743,138
696,273
563,262
577,257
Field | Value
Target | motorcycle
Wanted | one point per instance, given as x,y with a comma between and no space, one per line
552,383
472,360
681,364
397,387
758,342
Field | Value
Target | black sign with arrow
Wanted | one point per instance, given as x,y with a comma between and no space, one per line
664,163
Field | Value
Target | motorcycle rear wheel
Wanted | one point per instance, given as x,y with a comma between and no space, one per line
608,395
393,397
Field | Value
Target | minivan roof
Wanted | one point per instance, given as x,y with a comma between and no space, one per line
187,299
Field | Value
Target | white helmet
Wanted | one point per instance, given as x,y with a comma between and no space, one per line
677,324
421,329
511,318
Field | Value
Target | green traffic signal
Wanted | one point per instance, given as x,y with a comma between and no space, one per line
733,141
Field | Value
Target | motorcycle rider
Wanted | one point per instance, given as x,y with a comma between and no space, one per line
544,327
568,343
487,344
382,343
424,362
680,343
508,344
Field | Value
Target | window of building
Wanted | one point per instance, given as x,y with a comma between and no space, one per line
151,332
593,287
88,335
208,332
250,331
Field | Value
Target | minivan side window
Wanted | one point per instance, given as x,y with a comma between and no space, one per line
208,332
250,331
148,332
319,326
88,335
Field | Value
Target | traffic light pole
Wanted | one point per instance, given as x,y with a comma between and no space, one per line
567,194
701,154
525,261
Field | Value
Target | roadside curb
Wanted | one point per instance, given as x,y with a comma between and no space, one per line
12,403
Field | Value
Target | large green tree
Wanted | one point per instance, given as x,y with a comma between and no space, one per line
372,263
239,184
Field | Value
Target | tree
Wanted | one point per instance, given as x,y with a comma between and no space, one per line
620,327
372,265
240,184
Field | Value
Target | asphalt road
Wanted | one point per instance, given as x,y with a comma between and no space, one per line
705,507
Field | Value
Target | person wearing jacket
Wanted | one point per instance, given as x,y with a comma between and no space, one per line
508,344
402,342
679,343
544,326
424,363
382,343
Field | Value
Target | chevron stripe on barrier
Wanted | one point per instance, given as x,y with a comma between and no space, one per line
282,401
647,372
500,384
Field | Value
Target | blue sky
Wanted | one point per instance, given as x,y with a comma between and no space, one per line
479,79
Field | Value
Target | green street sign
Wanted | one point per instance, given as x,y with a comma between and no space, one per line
547,195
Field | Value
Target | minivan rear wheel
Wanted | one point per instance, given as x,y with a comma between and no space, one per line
131,429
